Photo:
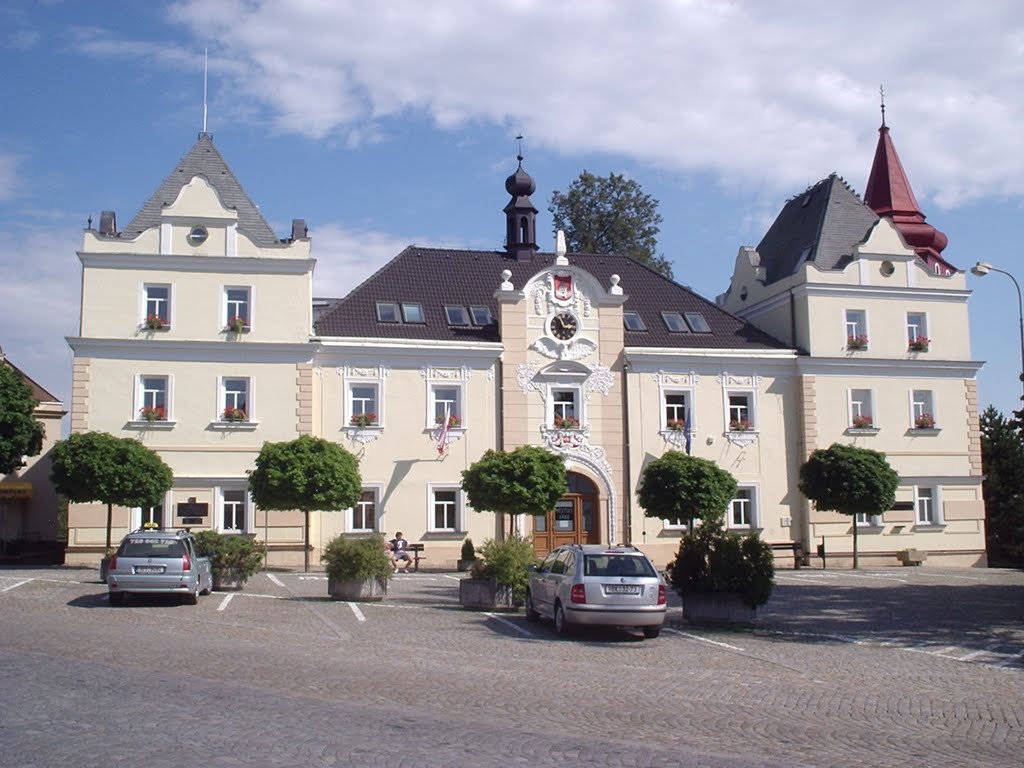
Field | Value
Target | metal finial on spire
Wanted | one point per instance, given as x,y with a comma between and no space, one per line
206,63
881,94
519,140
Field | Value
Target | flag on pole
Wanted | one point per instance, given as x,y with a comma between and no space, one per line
442,435
686,432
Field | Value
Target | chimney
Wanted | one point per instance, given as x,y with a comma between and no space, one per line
299,229
108,223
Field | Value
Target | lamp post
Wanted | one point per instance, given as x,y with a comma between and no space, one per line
981,269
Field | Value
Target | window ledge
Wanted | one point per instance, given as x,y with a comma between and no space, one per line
863,430
160,424
869,528
162,329
234,426
929,527
925,430
230,332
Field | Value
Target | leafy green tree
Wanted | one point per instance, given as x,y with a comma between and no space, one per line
681,488
21,433
526,481
610,215
851,481
96,466
1002,461
308,473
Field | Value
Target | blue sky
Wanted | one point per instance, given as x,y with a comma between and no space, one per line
385,124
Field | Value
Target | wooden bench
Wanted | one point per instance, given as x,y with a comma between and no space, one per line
797,547
416,550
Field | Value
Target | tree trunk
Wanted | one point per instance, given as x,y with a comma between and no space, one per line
305,514
854,542
110,523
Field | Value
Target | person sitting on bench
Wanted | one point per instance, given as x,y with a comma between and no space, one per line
402,560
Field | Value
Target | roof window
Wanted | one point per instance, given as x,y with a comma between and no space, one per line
413,313
456,315
674,322
633,321
387,312
697,322
482,316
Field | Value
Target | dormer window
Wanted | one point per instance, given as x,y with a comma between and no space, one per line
674,322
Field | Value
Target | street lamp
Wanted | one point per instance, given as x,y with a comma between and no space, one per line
981,269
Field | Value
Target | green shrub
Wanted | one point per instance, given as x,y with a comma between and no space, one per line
506,562
357,559
468,550
711,560
230,553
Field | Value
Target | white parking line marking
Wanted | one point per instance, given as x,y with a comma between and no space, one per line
453,578
506,622
976,654
16,585
225,601
274,579
1011,659
705,640
357,612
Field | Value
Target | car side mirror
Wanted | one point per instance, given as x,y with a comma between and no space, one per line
532,568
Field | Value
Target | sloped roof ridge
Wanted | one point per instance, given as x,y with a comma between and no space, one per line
204,160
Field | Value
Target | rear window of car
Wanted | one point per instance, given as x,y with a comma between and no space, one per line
617,565
152,548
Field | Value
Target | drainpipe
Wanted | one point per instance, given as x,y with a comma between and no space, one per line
627,501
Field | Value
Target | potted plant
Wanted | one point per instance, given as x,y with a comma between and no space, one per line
740,425
722,576
675,425
924,421
566,422
154,322
453,421
357,569
236,324
857,342
468,556
862,422
152,413
498,578
920,344
233,557
234,414
363,419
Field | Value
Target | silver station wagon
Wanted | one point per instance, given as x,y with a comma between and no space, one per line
588,584
159,562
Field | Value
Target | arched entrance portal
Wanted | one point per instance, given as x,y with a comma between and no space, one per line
574,520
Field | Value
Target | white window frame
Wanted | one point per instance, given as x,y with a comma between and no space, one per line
350,514
458,407
922,401
553,406
753,500
934,497
222,398
917,328
226,312
687,408
864,520
144,299
135,521
750,407
459,510
220,505
860,407
350,401
140,401
855,321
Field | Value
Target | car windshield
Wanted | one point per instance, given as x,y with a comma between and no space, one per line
152,548
617,565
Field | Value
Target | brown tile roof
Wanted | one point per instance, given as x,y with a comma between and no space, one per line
438,277
39,394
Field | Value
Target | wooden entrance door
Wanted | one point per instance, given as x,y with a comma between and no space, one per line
574,520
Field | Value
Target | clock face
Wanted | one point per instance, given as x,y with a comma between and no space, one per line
564,326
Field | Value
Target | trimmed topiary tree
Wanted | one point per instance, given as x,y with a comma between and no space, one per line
851,481
528,480
21,433
682,488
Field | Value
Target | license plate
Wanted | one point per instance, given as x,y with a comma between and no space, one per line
149,569
623,589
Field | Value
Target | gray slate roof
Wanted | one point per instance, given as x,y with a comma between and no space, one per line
821,225
204,160
437,277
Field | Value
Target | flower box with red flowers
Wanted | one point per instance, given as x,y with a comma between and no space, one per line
363,420
862,422
154,323
234,414
566,422
740,425
675,425
920,344
924,421
453,421
152,413
857,342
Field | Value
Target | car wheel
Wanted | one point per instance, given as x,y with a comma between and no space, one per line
193,597
562,626
531,612
116,598
652,632
209,587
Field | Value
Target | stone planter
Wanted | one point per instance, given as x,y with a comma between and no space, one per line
717,608
465,565
358,590
486,595
228,581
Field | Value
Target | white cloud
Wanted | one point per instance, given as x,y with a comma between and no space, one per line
756,93
346,257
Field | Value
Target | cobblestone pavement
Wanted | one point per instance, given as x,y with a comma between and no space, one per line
896,667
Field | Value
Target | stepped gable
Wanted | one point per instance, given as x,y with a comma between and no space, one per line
204,160
438,277
822,225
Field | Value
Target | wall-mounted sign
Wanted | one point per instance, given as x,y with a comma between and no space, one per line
193,509
16,490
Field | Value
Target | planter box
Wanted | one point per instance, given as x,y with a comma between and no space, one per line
486,595
720,608
226,582
358,590
911,556
465,565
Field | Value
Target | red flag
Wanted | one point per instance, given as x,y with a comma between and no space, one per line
442,435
